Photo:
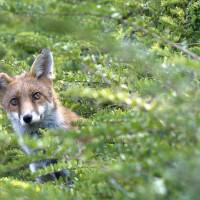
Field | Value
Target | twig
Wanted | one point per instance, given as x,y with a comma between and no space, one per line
168,42
60,14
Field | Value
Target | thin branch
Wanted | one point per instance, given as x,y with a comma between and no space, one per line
169,43
60,14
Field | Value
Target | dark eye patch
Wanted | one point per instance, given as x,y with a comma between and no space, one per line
14,101
36,96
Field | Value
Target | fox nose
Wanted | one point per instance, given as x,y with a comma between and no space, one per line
27,119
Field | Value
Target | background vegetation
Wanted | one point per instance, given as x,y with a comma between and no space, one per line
131,68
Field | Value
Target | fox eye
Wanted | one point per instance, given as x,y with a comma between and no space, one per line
36,96
14,101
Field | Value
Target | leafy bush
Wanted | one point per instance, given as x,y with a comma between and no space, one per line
31,42
118,65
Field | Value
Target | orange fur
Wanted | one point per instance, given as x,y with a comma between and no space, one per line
30,100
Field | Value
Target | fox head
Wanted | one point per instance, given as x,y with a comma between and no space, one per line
28,98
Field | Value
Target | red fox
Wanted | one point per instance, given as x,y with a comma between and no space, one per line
30,101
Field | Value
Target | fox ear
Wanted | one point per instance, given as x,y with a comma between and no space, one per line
43,65
4,80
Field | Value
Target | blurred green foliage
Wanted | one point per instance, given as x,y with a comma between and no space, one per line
139,95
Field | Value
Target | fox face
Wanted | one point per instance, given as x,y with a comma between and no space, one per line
26,99
29,99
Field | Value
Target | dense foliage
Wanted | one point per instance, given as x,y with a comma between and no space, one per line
131,69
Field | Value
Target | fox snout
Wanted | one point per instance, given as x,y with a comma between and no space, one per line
29,112
27,118
30,118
